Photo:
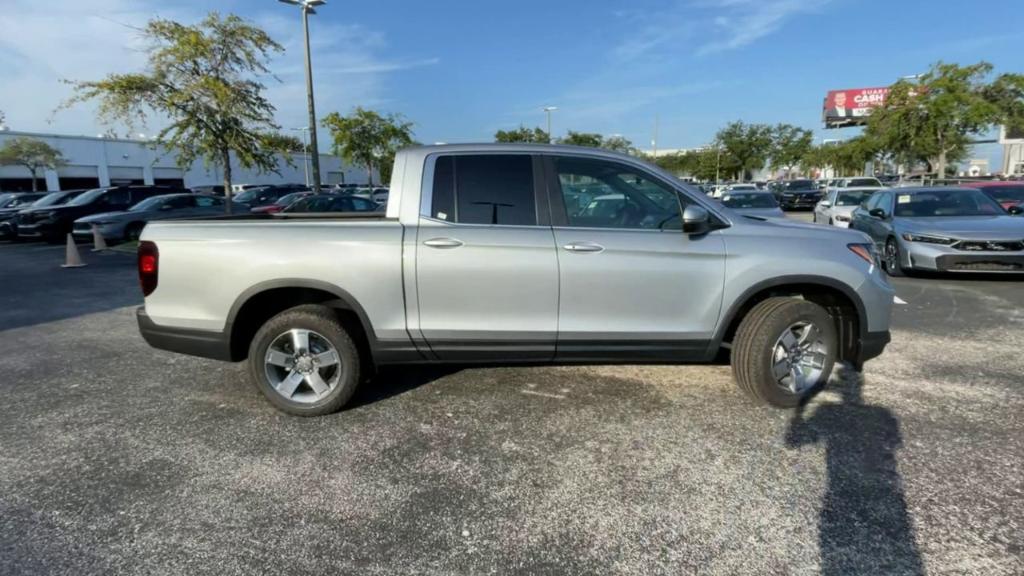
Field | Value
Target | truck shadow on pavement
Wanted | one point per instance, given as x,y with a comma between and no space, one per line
864,527
395,380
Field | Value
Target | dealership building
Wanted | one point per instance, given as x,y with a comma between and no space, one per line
92,162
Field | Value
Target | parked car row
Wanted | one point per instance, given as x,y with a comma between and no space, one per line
120,213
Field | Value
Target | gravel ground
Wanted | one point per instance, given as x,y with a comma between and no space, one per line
119,459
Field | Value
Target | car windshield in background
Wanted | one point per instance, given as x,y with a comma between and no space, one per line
863,182
249,195
1006,194
853,198
148,204
797,185
87,197
952,202
289,198
749,200
51,199
5,199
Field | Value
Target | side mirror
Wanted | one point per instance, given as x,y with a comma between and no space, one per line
877,213
824,203
1015,210
696,220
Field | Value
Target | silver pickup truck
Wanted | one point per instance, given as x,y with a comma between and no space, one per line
505,254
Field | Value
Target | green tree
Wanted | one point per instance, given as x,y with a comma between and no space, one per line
619,144
789,146
32,154
204,80
745,147
282,142
588,139
522,134
368,139
933,118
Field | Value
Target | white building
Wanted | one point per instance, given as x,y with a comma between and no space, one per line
99,161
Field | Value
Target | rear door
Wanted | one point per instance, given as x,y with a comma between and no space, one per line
486,269
632,285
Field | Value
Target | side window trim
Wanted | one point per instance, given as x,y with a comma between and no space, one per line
541,192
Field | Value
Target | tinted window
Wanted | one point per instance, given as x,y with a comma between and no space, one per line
117,197
602,194
874,201
801,185
178,202
1006,194
853,198
362,205
749,200
484,189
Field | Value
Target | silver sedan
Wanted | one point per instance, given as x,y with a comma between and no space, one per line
128,225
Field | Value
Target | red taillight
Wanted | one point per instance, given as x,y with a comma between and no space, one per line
149,263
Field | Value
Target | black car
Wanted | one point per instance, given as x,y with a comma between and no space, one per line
53,222
10,204
797,194
266,195
332,203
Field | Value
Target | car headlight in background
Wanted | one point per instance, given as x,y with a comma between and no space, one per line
841,218
927,239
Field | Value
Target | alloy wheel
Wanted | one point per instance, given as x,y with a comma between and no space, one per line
799,357
302,366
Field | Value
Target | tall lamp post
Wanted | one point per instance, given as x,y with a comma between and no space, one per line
307,7
305,151
549,110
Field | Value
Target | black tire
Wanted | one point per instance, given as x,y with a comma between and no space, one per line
754,349
324,323
893,263
133,231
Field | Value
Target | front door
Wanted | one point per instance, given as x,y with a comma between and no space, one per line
486,268
633,286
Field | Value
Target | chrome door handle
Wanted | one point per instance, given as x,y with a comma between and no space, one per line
443,243
584,247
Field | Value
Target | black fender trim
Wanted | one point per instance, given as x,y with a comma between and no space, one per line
383,351
780,281
203,343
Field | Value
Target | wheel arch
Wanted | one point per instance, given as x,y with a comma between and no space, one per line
262,301
841,301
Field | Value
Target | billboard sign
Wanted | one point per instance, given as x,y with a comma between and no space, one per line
851,107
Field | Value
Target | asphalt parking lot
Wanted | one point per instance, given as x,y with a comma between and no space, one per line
119,459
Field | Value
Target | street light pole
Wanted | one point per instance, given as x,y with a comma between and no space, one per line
549,110
305,151
307,7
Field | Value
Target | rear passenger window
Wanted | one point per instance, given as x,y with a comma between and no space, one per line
484,189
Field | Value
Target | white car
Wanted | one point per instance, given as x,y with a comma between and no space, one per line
837,206
722,189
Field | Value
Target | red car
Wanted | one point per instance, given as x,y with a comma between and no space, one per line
282,203
1006,193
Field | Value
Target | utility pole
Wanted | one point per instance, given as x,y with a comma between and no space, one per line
549,110
307,7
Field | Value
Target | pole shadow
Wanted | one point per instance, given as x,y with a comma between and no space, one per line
864,527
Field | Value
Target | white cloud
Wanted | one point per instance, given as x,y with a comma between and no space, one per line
743,22
44,43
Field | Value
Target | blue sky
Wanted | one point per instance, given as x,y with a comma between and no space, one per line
461,70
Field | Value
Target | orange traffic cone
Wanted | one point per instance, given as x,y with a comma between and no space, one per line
72,259
98,242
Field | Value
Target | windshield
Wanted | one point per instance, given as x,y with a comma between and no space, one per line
289,198
1006,194
149,204
952,202
53,199
749,200
853,198
87,197
249,195
801,185
5,199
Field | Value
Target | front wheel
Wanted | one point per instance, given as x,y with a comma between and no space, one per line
304,361
784,349
893,260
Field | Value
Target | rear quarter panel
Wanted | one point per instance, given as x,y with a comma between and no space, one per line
206,266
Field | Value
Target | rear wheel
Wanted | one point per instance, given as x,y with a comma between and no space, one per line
304,361
893,260
784,349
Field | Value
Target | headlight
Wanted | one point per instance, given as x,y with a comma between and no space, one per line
42,215
842,218
927,239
